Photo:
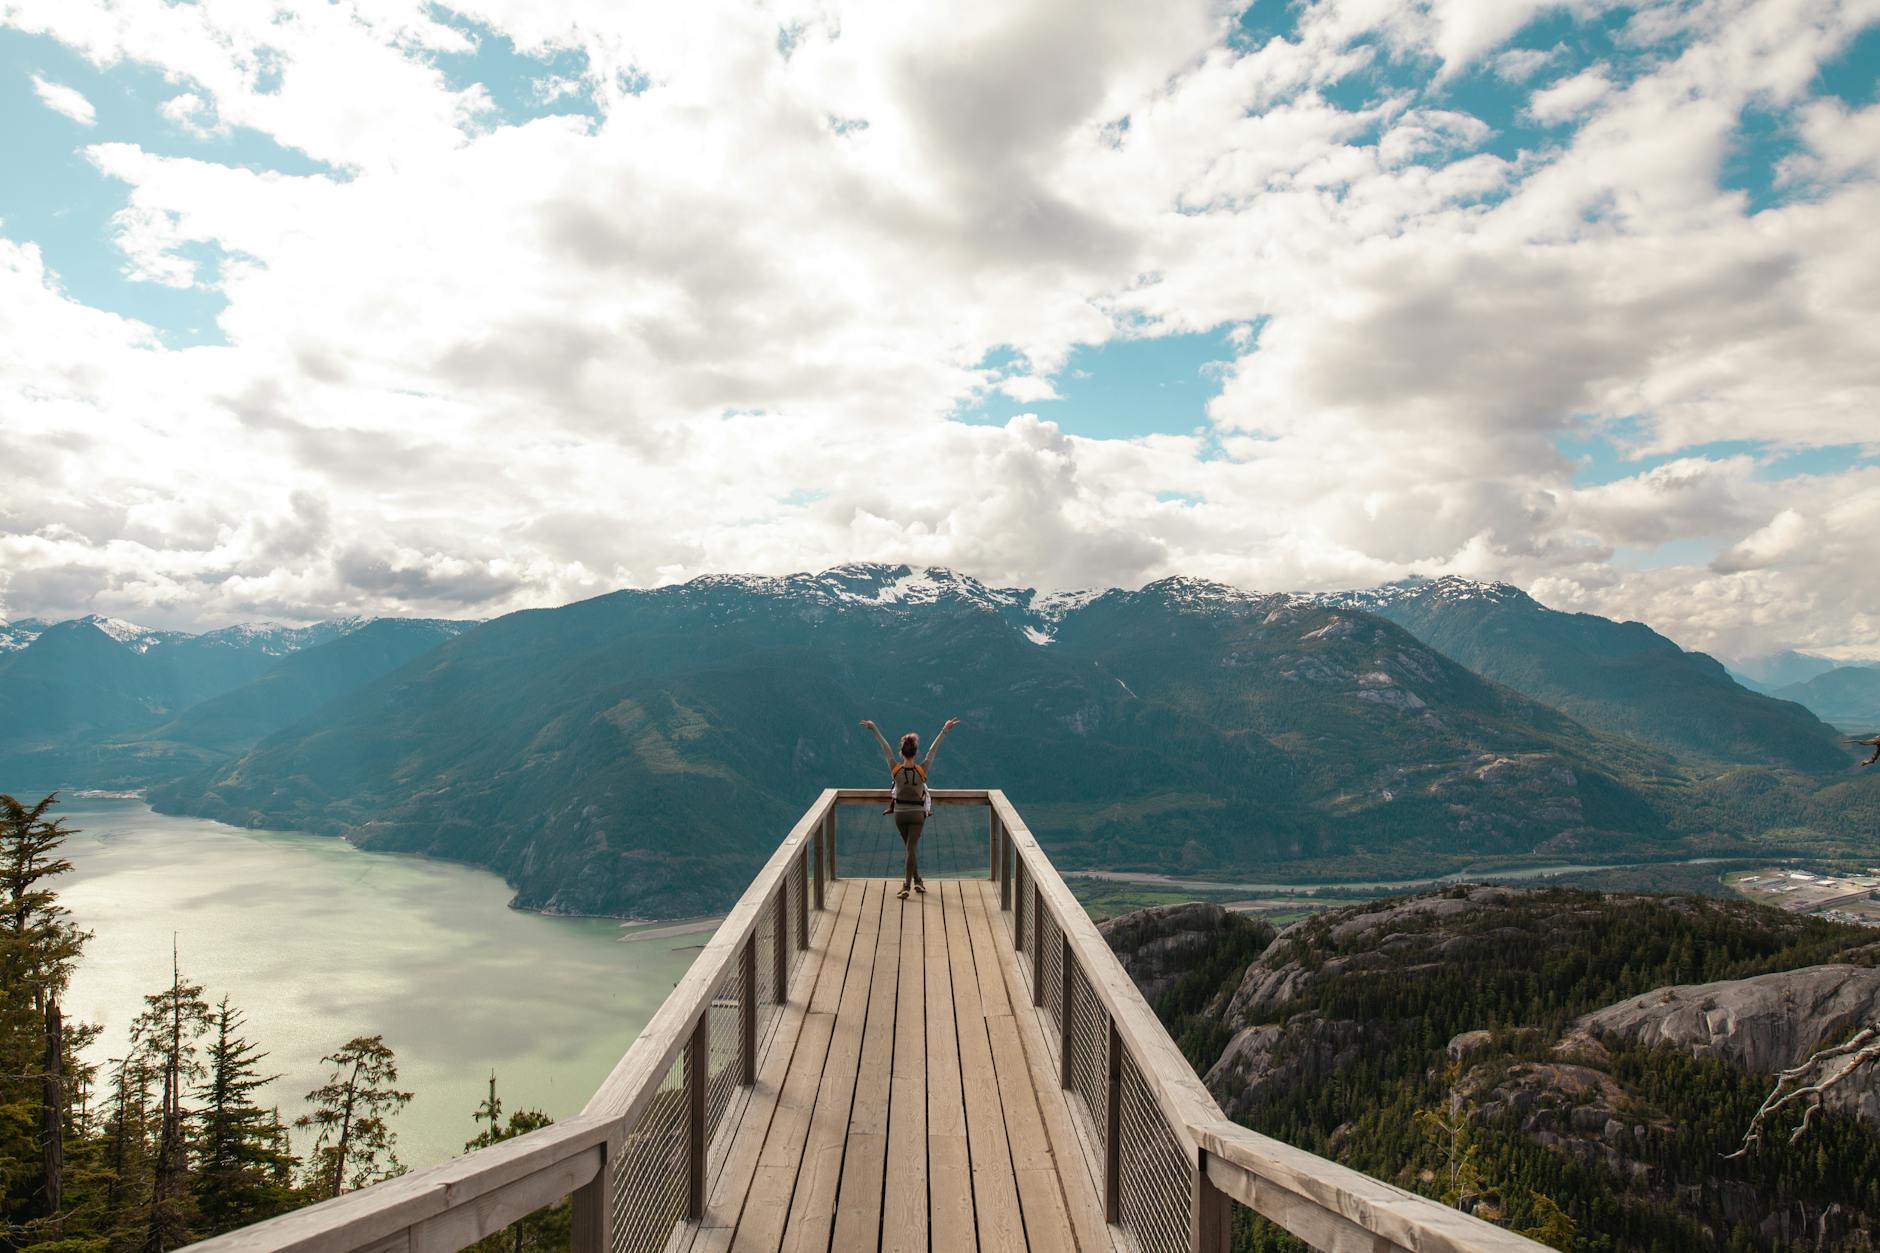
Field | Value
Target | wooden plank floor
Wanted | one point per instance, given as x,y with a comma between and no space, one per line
904,1100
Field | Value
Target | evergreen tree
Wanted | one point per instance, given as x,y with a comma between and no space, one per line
355,1144
1553,1226
168,1034
126,1135
39,947
243,1172
539,1232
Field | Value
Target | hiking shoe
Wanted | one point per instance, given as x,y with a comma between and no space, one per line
901,895
920,887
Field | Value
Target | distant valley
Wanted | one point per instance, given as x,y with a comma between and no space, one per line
638,753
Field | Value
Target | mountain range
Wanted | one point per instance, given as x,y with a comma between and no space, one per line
1847,696
1187,726
1622,677
108,703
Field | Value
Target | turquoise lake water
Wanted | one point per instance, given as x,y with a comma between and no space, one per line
319,942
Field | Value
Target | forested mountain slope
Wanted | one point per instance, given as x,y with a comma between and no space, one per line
1847,696
1621,677
99,702
298,684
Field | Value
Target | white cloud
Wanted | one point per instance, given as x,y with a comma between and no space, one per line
1781,538
190,112
1028,388
65,100
483,365
1569,98
1518,65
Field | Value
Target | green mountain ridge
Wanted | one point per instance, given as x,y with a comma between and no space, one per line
111,704
1184,727
1621,677
1847,697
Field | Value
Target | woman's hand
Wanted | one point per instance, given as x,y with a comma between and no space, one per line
951,723
868,724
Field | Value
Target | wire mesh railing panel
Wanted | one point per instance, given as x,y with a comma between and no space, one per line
650,1173
1090,1051
953,843
795,898
1155,1174
1053,941
1021,910
767,955
724,1031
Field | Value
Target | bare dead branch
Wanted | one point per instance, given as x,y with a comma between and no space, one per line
1826,1068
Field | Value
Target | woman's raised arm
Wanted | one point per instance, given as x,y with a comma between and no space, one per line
935,746
887,753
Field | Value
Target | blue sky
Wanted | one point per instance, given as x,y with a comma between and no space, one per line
555,300
1122,388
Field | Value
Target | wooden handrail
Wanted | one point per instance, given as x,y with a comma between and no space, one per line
1331,1207
941,795
1335,1208
1183,1098
527,1173
636,1077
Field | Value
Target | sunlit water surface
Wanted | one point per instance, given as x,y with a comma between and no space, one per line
319,942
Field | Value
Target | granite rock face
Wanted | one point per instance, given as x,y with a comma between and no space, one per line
1262,1062
1764,1024
1371,937
1157,946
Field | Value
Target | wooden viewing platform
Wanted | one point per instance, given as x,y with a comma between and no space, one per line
842,1070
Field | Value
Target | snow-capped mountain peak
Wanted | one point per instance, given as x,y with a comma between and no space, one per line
869,584
1444,589
139,639
17,635
1199,595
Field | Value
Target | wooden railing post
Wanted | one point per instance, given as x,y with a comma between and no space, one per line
697,1083
992,843
1210,1220
747,1012
1037,944
1065,1043
780,946
1113,1127
816,858
592,1229
829,845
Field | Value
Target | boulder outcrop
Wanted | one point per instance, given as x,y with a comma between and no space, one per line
1157,946
1764,1024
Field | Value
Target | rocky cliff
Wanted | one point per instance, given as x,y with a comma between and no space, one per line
1159,946
1520,1049
1765,1024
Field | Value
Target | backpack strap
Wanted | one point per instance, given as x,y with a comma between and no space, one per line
899,766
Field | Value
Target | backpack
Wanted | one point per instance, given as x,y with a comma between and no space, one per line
910,785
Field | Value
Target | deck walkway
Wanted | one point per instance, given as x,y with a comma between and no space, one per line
907,1100
841,1070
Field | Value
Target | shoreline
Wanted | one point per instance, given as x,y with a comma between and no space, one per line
625,920
1145,878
